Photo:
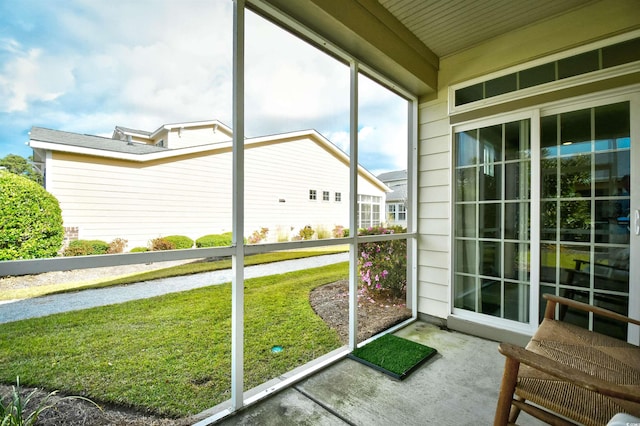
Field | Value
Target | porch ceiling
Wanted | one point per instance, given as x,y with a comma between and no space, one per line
449,26
405,39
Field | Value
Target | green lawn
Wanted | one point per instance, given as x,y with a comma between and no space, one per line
170,355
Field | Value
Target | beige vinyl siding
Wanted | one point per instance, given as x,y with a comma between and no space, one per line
110,199
287,171
191,194
434,210
592,22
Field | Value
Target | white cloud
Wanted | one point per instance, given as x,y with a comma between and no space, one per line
32,76
146,63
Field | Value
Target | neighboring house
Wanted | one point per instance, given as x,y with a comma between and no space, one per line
141,185
396,203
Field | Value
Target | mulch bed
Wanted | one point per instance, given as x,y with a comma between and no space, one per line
331,303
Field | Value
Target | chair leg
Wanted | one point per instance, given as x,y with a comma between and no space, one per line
507,388
515,411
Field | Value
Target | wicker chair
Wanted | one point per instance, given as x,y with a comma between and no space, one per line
570,373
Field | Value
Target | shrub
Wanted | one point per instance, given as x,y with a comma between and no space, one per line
323,233
30,219
14,412
383,264
86,248
159,244
139,249
117,246
258,236
215,240
340,231
306,233
78,248
282,236
180,241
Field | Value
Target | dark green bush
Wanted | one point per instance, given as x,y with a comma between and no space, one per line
139,249
86,248
215,240
159,244
180,241
30,219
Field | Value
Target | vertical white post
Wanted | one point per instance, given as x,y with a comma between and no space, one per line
412,207
353,208
237,259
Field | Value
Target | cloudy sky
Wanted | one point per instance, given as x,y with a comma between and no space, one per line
86,66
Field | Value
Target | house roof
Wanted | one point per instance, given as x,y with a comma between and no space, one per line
128,131
397,181
90,142
398,193
56,140
393,176
146,134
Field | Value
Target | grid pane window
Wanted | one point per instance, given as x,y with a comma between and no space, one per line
492,214
369,208
584,253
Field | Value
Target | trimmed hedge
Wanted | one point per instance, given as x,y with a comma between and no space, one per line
215,240
30,219
86,248
139,249
179,241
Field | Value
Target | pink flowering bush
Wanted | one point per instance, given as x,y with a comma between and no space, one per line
383,264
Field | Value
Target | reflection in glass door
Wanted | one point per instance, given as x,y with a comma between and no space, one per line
585,200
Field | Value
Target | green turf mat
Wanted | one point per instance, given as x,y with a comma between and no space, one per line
393,355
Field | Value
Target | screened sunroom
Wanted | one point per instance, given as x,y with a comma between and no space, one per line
519,126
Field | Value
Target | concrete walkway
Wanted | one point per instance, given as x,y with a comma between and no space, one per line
458,387
57,303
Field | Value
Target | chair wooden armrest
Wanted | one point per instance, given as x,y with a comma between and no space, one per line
566,373
552,300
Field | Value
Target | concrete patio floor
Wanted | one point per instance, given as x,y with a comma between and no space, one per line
459,386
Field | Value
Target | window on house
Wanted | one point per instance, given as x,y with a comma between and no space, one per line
338,196
396,213
402,212
312,194
369,211
599,59
391,213
325,195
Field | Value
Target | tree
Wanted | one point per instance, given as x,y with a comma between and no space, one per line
21,166
30,219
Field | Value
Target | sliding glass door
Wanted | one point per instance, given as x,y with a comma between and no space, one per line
492,220
505,254
585,210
